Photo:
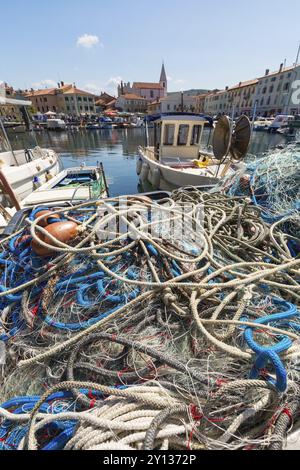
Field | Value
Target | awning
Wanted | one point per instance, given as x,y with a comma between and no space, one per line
10,101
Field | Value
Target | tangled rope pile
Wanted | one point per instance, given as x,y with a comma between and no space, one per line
272,182
168,325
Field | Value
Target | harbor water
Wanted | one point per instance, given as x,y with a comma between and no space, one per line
116,149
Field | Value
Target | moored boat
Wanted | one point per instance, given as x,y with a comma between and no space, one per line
176,158
72,185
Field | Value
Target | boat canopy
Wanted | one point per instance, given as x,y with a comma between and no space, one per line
178,116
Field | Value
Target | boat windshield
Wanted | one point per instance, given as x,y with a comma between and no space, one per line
4,144
15,138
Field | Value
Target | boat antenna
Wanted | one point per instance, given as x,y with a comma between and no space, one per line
298,54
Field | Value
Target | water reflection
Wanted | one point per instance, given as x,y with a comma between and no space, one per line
117,149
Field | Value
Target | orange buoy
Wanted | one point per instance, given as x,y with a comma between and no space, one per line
44,222
62,231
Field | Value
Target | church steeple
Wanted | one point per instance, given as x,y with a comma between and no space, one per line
163,79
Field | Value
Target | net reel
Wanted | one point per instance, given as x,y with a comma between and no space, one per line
231,138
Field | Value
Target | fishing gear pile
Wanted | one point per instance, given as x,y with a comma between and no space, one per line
272,182
131,324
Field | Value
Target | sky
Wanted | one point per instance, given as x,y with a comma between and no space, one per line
96,43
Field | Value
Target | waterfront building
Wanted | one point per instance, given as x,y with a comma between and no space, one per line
102,102
149,91
268,95
173,102
10,112
65,99
77,101
131,103
200,103
275,91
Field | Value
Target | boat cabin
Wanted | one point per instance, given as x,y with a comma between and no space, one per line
177,137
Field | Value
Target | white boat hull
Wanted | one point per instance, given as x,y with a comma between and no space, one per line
175,178
21,177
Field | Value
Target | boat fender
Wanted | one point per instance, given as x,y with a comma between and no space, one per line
49,218
156,177
139,164
62,231
145,171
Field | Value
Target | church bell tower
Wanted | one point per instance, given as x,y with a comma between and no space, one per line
163,79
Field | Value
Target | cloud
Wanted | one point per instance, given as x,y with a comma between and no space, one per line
175,81
113,83
92,88
47,83
88,41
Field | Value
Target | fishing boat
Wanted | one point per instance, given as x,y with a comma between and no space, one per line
18,168
280,121
176,158
262,124
72,185
56,125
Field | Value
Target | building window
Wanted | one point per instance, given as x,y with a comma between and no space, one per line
79,98
264,90
169,134
168,107
271,89
196,135
86,108
151,94
183,134
45,100
85,99
90,100
66,98
262,102
286,86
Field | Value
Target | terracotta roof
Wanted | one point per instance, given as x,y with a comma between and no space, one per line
74,91
155,102
110,103
106,98
100,102
286,69
146,85
46,91
244,84
132,96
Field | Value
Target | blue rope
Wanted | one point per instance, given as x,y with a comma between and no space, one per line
267,354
